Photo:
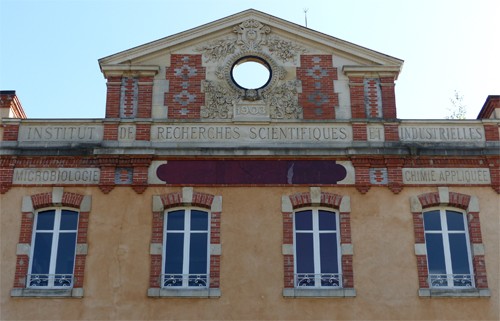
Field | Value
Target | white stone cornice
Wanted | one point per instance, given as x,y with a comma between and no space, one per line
139,70
372,71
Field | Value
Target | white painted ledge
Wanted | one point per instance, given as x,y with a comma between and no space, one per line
319,293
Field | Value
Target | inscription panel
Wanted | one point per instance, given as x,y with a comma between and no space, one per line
251,133
60,133
60,176
441,133
460,176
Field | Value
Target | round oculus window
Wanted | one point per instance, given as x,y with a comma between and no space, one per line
251,72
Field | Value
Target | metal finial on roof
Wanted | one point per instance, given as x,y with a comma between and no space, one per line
305,15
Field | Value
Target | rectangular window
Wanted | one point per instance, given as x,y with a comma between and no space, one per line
317,252
53,251
186,249
448,250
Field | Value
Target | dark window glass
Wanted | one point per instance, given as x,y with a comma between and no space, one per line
199,220
435,253
45,220
65,253
175,221
328,252
432,221
303,221
459,256
69,220
305,253
327,221
41,253
198,253
174,253
455,221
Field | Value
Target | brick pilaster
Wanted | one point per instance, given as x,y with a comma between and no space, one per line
318,98
388,97
113,96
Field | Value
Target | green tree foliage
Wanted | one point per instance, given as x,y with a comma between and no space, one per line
458,109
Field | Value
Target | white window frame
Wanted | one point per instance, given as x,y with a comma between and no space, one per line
316,246
186,246
56,231
446,247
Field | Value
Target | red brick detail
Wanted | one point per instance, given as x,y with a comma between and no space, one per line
289,271
391,132
22,263
42,200
113,97
79,271
388,98
140,179
71,199
458,200
287,228
423,271
155,271
362,174
128,98
301,199
145,97
171,200
395,174
359,132
215,228
26,228
143,132
356,88
318,98
157,228
372,98
202,200
479,265
83,225
418,228
474,228
6,173
429,199
330,200
214,271
10,132
185,75
110,132
491,132
494,165
347,271
345,228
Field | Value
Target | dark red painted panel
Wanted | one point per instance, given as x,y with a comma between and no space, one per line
251,172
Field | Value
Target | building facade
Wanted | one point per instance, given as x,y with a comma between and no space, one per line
201,197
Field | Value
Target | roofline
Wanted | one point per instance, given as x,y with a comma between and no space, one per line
230,21
488,107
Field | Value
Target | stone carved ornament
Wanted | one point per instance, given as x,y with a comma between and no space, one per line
251,38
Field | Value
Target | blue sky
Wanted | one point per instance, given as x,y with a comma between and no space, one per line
49,48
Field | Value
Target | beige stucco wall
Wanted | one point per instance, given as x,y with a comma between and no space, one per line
119,236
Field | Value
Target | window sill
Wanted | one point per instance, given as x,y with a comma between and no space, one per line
183,293
319,293
454,293
46,293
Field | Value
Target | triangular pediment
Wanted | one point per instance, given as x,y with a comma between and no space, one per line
294,36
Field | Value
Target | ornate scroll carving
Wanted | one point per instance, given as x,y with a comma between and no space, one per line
251,36
284,50
219,101
284,102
